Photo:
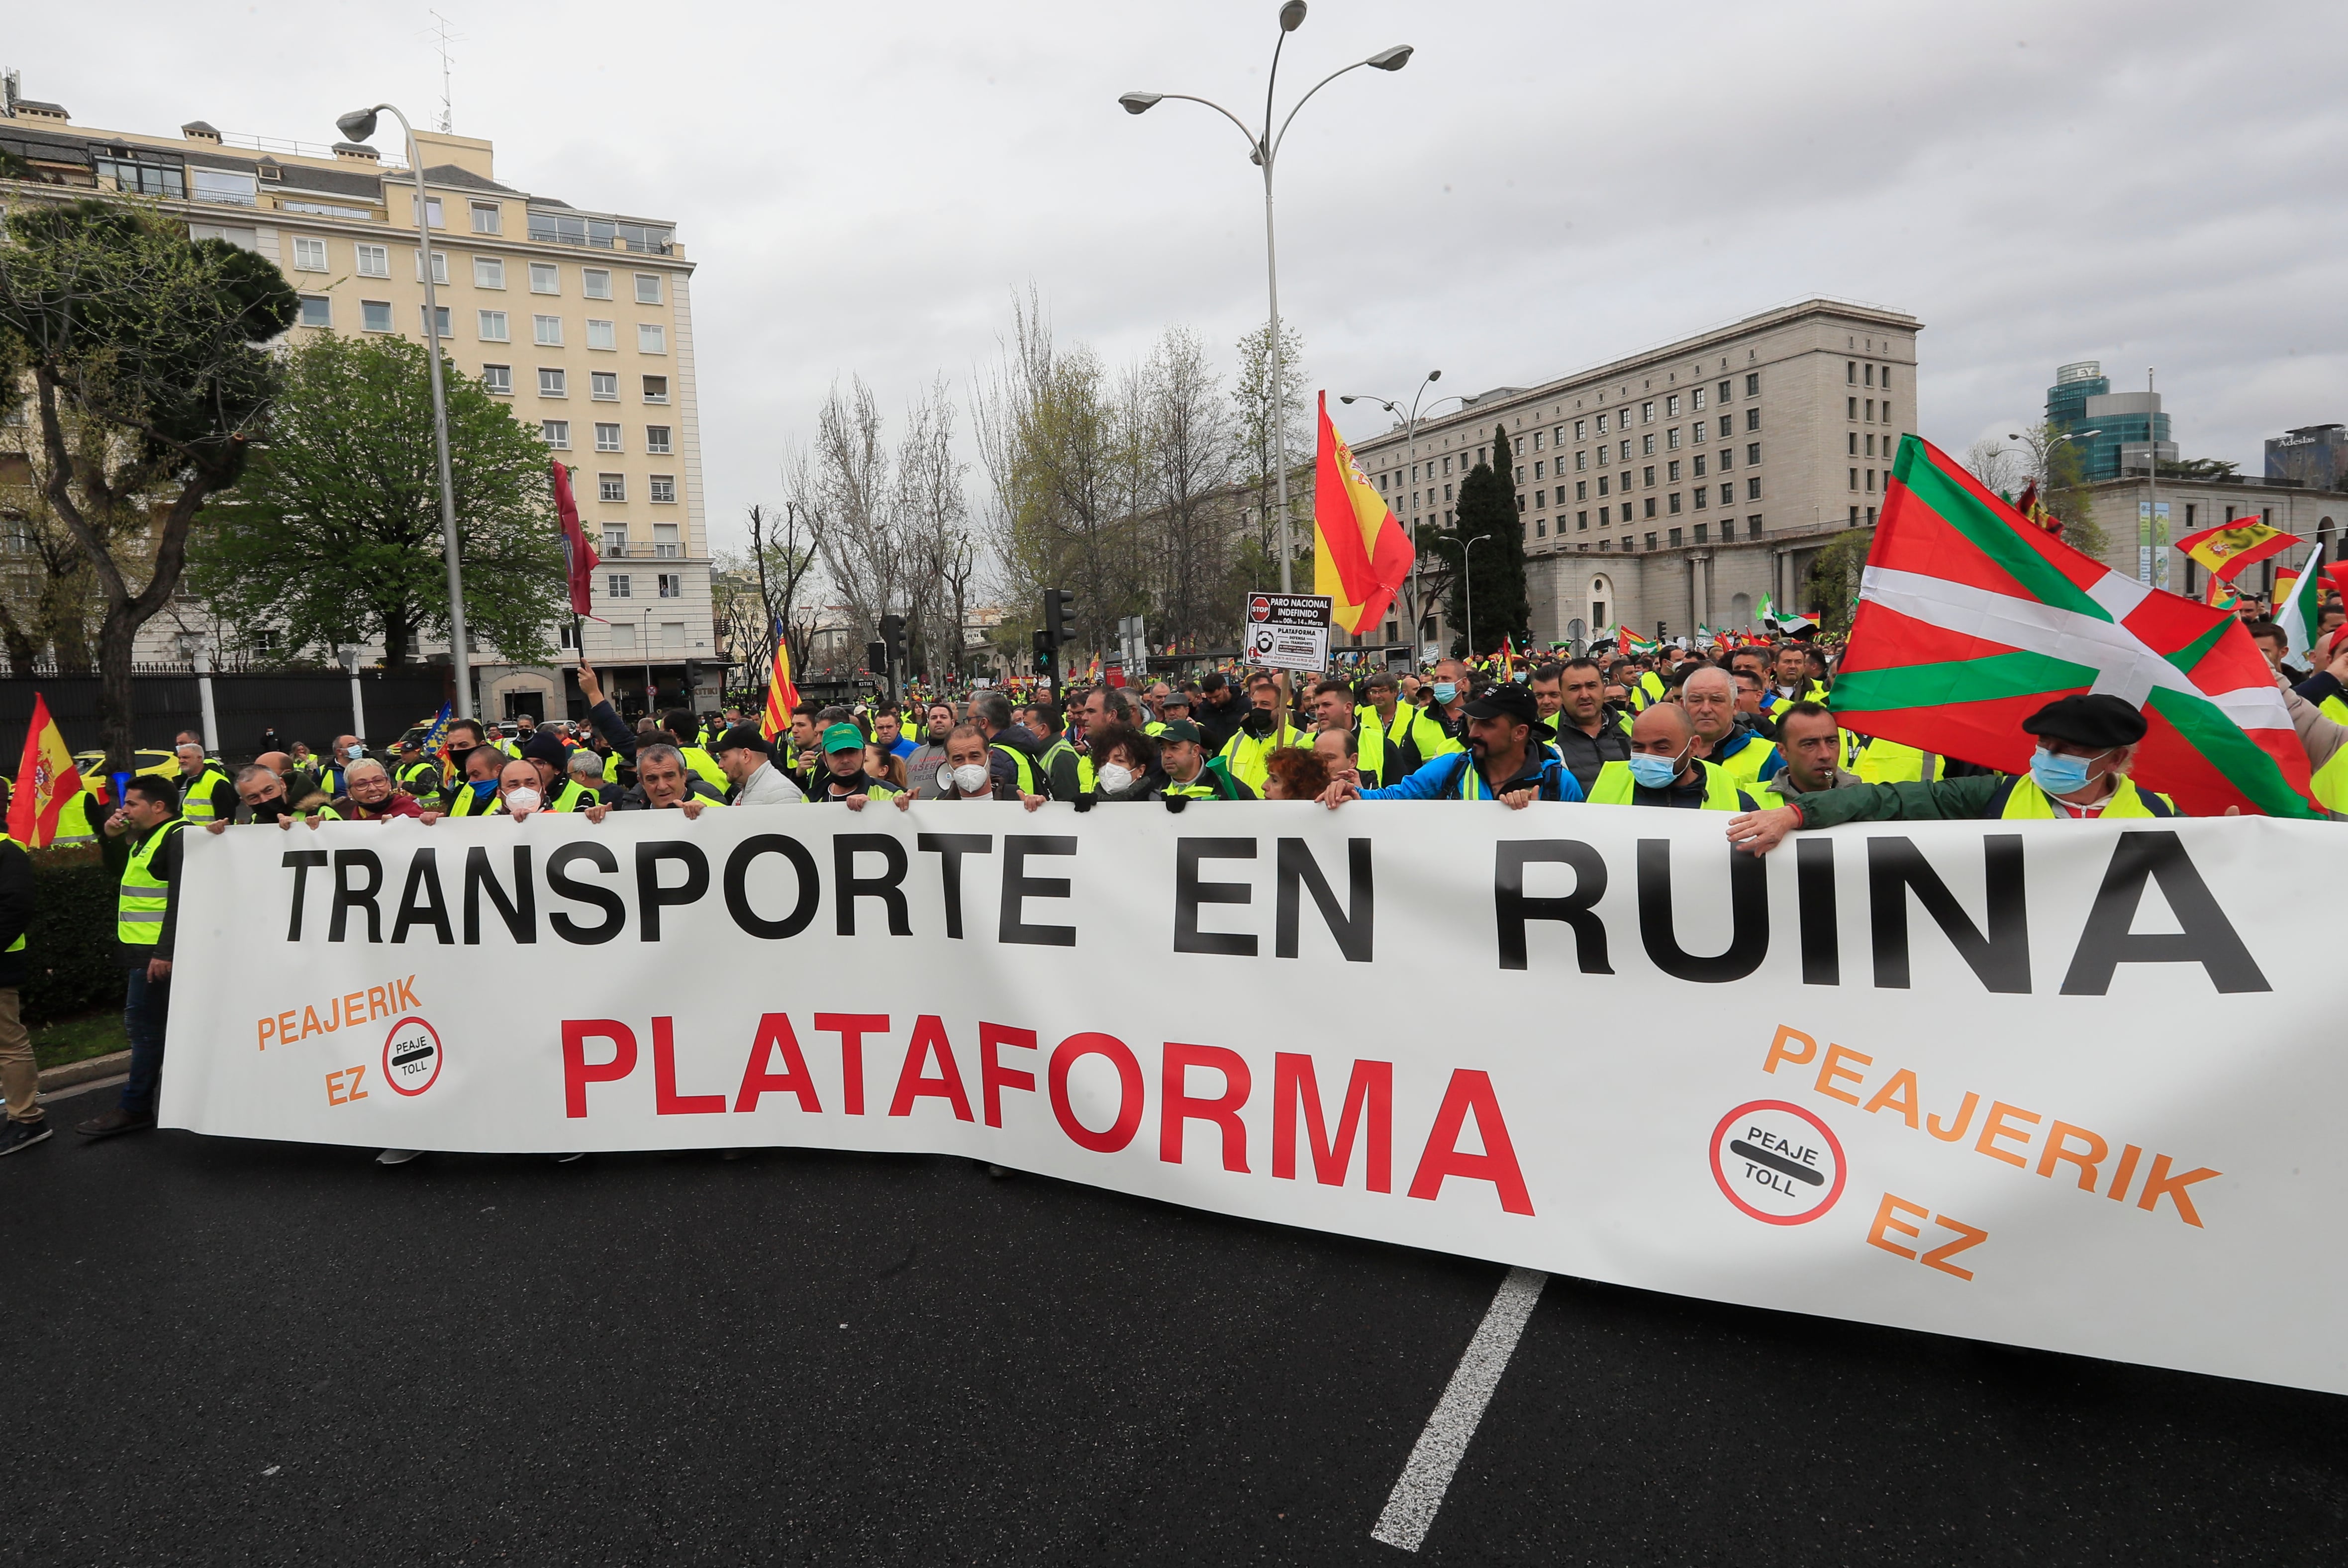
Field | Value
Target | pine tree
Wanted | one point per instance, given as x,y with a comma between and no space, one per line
1486,508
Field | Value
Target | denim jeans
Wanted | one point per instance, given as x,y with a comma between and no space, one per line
146,1004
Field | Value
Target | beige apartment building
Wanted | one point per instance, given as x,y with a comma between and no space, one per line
1676,486
581,319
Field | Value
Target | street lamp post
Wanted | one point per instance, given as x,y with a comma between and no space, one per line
358,126
1264,151
1467,588
1410,447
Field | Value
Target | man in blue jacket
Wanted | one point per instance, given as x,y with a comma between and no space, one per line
1504,762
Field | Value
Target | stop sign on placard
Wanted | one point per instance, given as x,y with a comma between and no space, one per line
1259,608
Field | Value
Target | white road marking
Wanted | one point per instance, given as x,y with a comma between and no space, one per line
1411,1507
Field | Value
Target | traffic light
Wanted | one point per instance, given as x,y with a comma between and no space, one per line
876,659
893,634
1059,616
1043,649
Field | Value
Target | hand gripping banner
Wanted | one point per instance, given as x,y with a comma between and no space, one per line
2073,1086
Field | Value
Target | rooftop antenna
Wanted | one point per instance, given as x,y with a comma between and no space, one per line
446,38
12,88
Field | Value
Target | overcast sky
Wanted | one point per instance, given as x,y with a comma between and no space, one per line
1546,186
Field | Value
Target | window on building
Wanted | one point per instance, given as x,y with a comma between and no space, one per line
1647,476
1870,410
432,214
491,325
664,487
1601,484
1698,428
648,288
1723,390
607,438
656,389
1520,473
595,282
1674,538
1540,467
1885,380
439,267
134,177
546,330
1601,424
1699,465
656,438
1854,479
1870,443
1851,372
1540,497
1753,489
1651,542
1648,510
1854,443
1540,528
557,433
553,383
1675,507
1671,474
604,385
488,273
671,586
1647,445
1752,385
374,314
1701,531
1646,413
489,218
1672,406
1752,419
317,311
309,255
1752,527
665,543
1581,462
375,261
1581,429
1702,491
545,278
1626,452
1752,454
1887,411
229,187
1723,428
1725,460
651,339
1870,376
1671,440
611,487
615,540
601,335
1696,400
1581,522
498,380
620,586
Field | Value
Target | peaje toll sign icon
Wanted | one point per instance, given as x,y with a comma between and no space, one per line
1777,1162
411,1056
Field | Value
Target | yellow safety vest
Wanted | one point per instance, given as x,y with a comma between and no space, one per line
199,804
464,803
573,796
1883,761
1649,689
139,917
701,762
2335,709
1409,725
2025,799
1615,786
73,826
1024,763
1746,766
1248,757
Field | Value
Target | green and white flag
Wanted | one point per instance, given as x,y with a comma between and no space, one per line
2298,612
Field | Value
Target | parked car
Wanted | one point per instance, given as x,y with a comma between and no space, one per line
149,759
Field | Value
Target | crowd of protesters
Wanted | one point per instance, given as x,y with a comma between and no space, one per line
1746,730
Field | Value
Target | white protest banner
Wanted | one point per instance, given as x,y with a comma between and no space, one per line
2066,1085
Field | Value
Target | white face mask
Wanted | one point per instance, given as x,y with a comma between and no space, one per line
1115,778
522,800
971,778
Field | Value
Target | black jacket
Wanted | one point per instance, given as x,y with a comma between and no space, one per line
1585,754
1219,724
15,912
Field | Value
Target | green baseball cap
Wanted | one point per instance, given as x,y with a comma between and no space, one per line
843,737
1182,729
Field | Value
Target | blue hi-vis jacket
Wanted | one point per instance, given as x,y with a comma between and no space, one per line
1456,776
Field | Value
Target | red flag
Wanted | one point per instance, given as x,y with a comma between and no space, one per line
576,551
45,779
782,696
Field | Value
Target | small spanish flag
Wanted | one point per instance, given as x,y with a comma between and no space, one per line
45,779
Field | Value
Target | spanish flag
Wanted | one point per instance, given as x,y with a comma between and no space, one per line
45,779
2226,549
781,695
1360,554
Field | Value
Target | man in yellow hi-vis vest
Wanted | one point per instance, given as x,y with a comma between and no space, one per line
2086,744
142,840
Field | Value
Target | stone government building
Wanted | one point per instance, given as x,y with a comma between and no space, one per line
1679,484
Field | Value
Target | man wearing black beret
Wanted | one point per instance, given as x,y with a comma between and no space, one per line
2085,743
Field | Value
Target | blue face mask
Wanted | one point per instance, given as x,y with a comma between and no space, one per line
2059,775
482,788
1444,691
1656,773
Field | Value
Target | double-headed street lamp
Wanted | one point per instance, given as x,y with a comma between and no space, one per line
1466,589
358,126
1264,151
1410,446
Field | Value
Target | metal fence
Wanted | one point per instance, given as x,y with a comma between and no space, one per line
299,705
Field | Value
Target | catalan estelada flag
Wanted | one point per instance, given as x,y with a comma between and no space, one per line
45,779
781,695
1360,554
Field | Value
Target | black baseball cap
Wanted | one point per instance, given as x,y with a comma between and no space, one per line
1508,700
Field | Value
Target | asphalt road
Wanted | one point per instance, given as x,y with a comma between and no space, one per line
230,1352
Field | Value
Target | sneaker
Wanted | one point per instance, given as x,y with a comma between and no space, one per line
397,1156
115,1121
22,1135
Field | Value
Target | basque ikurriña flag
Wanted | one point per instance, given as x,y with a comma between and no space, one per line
577,552
1970,620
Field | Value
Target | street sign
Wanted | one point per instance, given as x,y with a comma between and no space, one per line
1287,631
1133,646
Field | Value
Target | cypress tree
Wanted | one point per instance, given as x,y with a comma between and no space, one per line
1495,568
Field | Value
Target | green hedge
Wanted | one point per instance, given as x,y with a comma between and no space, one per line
71,943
